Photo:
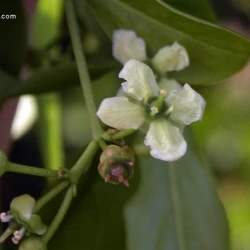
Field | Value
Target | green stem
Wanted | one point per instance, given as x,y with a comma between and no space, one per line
8,232
59,216
102,144
50,195
84,161
119,135
82,69
23,169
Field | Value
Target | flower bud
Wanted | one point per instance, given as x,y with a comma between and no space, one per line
171,58
116,164
127,45
21,219
3,163
32,243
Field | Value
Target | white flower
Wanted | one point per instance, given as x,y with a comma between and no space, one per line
166,112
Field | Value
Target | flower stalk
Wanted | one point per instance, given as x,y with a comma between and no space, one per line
23,169
60,215
50,195
82,70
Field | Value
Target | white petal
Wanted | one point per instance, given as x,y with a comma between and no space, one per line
127,45
140,79
165,140
170,58
188,105
119,113
169,84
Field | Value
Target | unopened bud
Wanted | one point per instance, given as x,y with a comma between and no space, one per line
116,164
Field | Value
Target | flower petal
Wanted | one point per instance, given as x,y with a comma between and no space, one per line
169,84
170,58
120,113
188,105
22,207
140,79
165,140
127,45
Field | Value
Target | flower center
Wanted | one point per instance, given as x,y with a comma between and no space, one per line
156,107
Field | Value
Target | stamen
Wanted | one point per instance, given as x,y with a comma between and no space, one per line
130,164
125,182
163,92
18,235
107,178
5,218
170,109
14,240
154,111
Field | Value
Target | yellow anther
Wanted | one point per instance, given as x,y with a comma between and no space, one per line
163,92
154,110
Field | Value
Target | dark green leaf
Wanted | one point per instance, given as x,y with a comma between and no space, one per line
13,39
176,208
215,53
197,8
95,220
54,79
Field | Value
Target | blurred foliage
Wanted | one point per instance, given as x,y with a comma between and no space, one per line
166,207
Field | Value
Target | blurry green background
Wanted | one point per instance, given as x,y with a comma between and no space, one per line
223,135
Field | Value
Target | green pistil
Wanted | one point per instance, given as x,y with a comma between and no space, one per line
160,100
155,106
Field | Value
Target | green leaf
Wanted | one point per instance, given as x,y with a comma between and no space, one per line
215,53
13,39
95,220
176,207
46,22
59,78
197,8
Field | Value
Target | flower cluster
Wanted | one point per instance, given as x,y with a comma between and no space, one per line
163,110
21,219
